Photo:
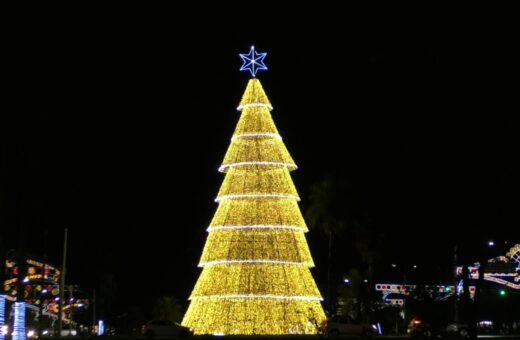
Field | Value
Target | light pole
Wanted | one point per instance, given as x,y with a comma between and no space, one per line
2,294
62,283
72,288
71,307
455,284
403,308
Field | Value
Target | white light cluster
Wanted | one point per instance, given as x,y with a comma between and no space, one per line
253,135
290,165
237,227
502,282
500,274
19,321
2,316
233,196
253,296
241,107
209,263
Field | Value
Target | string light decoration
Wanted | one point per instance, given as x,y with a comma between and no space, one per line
253,61
255,276
2,316
19,321
514,253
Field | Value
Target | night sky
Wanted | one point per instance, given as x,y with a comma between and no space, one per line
118,125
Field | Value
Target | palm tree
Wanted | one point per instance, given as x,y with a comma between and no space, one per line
335,209
326,210
327,213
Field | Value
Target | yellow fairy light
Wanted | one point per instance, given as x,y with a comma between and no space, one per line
255,151
257,244
272,211
240,181
255,264
257,279
254,96
254,316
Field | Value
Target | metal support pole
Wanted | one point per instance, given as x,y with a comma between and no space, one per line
62,283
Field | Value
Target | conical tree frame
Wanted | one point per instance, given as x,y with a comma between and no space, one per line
255,276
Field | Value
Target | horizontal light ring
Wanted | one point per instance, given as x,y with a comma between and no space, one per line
253,296
211,263
253,135
225,166
241,107
227,197
237,227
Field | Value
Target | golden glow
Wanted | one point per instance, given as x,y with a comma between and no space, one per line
255,277
268,211
263,146
236,196
254,94
253,135
257,244
257,150
252,296
236,227
254,316
264,181
255,120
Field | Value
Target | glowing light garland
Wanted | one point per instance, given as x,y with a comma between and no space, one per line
245,106
2,316
239,227
254,135
258,151
211,263
514,253
257,244
247,181
304,298
274,211
19,321
502,282
289,165
255,277
228,197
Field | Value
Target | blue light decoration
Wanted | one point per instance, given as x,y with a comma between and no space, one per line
101,328
253,61
19,321
2,317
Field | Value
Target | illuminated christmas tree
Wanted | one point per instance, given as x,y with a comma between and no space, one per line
255,277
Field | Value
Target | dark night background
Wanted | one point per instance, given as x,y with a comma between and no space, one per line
119,123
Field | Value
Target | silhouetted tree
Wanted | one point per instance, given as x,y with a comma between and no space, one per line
336,210
167,308
327,213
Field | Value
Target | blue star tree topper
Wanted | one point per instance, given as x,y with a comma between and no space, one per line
253,61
